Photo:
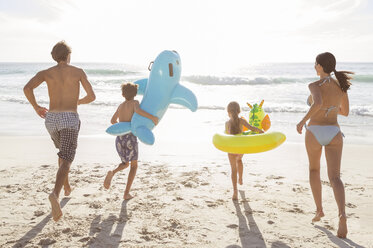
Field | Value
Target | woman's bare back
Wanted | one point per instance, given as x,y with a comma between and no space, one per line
331,95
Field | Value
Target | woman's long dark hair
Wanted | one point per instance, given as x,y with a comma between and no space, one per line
328,62
234,109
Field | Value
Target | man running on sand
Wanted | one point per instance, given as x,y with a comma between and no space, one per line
62,119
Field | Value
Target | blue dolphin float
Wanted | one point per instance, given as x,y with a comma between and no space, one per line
159,90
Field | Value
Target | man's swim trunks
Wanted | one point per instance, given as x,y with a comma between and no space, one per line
127,147
63,128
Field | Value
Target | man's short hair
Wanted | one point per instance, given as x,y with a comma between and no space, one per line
60,51
129,90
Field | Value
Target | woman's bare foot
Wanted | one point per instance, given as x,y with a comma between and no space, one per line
235,196
67,190
319,214
56,208
342,229
127,196
240,181
108,178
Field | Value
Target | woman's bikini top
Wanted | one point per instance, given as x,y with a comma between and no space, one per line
326,80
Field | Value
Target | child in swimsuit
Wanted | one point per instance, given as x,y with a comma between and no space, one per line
127,145
234,126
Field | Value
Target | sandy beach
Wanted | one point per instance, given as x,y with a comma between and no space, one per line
183,198
193,59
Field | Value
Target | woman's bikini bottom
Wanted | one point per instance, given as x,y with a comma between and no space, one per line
324,134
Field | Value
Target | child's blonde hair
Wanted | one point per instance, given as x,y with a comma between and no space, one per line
234,125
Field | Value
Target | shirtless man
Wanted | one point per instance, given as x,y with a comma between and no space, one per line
62,119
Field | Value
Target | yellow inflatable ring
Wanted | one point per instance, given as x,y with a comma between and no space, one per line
241,144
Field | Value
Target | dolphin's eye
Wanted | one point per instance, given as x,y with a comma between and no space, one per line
170,69
177,62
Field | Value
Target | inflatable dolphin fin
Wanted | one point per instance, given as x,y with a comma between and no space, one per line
119,128
142,83
145,135
184,97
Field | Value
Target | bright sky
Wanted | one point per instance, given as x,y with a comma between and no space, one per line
208,34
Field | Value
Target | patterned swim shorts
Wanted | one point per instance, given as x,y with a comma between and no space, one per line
63,128
127,147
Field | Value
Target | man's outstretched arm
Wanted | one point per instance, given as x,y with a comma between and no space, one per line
28,90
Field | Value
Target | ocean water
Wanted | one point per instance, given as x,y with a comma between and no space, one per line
283,87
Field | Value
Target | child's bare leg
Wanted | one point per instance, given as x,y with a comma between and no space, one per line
66,185
62,173
232,161
110,174
239,168
131,177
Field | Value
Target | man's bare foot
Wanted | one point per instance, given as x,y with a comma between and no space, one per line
318,216
235,196
67,190
342,229
240,181
127,196
56,208
108,178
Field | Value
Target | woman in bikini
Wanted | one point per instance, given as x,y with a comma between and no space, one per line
328,99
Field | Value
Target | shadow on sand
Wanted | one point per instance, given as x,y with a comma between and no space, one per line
343,243
22,242
105,237
250,235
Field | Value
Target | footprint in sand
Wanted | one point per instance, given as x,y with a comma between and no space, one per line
38,213
188,184
46,241
329,227
174,224
75,234
299,189
232,226
66,230
253,174
95,205
296,210
274,177
350,205
325,183
358,189
212,204
84,239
